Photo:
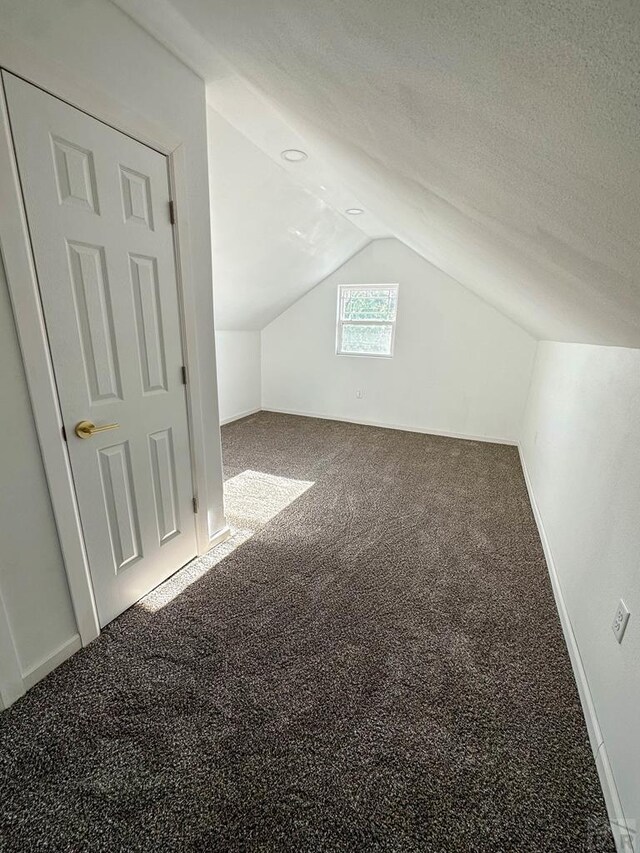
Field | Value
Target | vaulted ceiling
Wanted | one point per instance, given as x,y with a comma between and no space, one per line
499,139
273,239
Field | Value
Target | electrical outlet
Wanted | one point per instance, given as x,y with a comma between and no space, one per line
359,394
621,618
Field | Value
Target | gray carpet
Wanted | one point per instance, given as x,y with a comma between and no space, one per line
380,667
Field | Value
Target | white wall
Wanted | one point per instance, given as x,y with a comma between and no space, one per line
459,367
238,357
93,54
581,448
33,582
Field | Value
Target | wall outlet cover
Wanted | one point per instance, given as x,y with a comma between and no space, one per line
620,620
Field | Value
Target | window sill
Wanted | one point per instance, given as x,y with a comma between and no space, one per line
364,355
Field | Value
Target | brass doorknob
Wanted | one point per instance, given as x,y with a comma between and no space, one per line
85,429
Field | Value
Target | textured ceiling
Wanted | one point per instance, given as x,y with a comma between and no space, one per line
498,139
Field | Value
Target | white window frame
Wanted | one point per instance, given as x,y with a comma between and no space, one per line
340,322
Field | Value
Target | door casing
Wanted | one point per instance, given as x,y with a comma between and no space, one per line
28,316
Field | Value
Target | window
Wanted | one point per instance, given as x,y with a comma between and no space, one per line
366,319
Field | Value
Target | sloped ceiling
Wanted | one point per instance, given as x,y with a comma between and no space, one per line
273,238
498,139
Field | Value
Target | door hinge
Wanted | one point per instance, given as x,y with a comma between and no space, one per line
172,212
194,501
184,374
64,434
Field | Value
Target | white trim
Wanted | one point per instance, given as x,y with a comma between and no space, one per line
240,415
177,163
591,719
623,837
401,427
35,673
11,683
340,321
21,59
221,536
605,774
25,300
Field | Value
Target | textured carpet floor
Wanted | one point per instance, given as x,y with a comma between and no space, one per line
380,667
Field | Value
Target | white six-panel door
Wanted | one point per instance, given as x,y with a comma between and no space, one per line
98,215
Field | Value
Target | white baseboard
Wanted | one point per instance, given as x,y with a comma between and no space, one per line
221,536
37,672
239,416
612,800
401,427
51,661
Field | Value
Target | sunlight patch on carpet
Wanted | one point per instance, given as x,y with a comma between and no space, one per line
251,500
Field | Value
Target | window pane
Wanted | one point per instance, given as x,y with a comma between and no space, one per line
374,304
372,340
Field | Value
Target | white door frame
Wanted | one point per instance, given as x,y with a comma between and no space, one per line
29,320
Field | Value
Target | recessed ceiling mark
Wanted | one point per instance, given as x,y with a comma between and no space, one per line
294,155
354,211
